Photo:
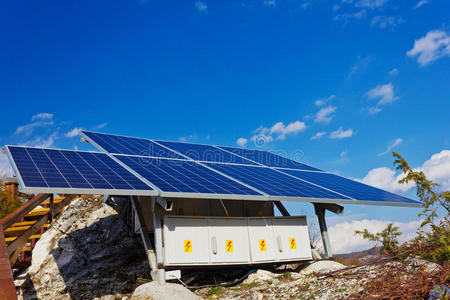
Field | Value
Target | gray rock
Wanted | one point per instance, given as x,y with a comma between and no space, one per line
165,291
323,266
259,277
257,296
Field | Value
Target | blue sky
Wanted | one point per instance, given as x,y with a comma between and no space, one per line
349,80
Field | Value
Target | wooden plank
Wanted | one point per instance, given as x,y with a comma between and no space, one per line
7,288
16,230
16,246
56,200
20,212
12,238
37,212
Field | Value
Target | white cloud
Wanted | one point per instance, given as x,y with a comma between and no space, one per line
437,169
361,14
272,3
386,21
282,130
5,166
421,3
318,135
386,179
360,65
341,134
201,6
343,157
434,45
373,110
100,126
323,101
343,239
325,114
188,138
370,4
385,93
73,132
262,136
37,120
42,142
278,131
28,129
391,146
393,72
42,116
241,142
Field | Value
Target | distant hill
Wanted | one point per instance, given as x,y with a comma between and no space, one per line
361,256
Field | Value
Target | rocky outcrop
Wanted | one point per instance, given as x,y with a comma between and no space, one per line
86,253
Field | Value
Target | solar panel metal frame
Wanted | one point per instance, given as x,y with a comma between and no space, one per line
55,190
265,196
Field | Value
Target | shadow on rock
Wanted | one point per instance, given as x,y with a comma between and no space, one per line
88,252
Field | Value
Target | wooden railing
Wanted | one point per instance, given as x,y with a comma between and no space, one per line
10,252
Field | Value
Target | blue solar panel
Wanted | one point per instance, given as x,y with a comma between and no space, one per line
183,176
353,189
72,169
205,153
128,145
273,182
269,159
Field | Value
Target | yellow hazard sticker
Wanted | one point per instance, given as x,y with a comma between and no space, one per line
187,246
292,244
229,246
262,245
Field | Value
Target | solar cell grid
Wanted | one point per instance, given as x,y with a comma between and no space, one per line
269,159
49,168
205,153
183,176
128,145
273,182
351,188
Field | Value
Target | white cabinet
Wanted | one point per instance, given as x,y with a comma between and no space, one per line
292,238
262,244
228,240
190,241
186,241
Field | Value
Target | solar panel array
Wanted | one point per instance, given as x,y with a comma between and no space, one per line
275,183
74,171
269,159
354,189
175,169
183,176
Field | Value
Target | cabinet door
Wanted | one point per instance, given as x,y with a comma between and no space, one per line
291,238
228,240
262,245
186,241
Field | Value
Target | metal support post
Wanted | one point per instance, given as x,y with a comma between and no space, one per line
320,212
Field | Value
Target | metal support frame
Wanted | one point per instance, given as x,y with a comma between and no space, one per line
149,249
158,223
320,212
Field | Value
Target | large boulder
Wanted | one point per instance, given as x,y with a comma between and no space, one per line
87,252
156,291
